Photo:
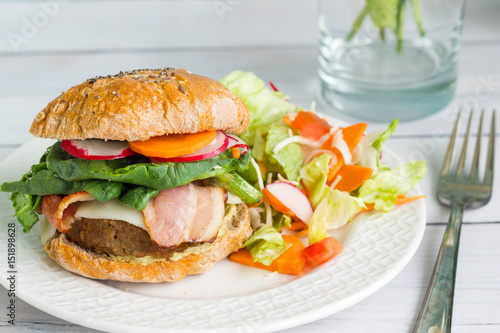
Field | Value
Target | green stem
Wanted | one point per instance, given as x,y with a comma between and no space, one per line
417,14
233,182
400,24
382,34
357,23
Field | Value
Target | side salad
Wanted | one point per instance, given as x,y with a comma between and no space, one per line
315,177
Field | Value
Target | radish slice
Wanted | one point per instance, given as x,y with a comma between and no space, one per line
94,149
293,198
234,141
214,148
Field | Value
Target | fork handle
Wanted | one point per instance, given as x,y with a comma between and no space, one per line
437,306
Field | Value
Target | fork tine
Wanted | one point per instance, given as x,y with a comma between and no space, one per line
449,152
488,177
461,162
474,173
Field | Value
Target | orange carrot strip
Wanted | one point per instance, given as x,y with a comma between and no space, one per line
236,152
334,171
297,225
352,177
291,262
278,205
257,204
405,199
302,233
401,199
172,145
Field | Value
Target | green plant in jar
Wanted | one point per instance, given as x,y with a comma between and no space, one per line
388,14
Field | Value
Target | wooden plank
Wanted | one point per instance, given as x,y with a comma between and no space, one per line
136,25
392,309
133,25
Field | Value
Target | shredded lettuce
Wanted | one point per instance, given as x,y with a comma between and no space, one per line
332,208
383,189
281,221
266,244
265,106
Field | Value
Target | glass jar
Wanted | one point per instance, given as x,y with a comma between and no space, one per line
385,59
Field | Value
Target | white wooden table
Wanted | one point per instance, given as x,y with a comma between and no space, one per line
48,46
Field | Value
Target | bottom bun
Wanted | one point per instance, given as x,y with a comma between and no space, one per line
195,260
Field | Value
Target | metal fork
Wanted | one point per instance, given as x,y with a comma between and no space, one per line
460,191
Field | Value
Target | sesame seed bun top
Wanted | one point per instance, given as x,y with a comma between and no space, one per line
140,104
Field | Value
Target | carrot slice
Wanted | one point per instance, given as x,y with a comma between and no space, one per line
287,120
278,205
352,177
297,225
236,152
333,171
401,199
324,250
291,262
173,145
353,134
310,125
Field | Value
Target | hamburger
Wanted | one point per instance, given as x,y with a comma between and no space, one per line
144,181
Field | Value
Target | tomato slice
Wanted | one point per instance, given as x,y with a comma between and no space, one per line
324,250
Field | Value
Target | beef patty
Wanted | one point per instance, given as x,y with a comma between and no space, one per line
118,238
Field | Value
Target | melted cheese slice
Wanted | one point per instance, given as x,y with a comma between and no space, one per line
112,210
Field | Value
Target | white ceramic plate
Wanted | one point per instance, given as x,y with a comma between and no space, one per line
230,297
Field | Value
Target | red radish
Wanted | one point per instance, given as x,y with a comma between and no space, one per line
273,87
94,149
289,199
324,250
220,144
234,141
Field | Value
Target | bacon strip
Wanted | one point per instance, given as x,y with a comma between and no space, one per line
187,213
61,211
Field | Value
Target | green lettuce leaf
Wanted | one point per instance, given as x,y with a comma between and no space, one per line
385,135
24,206
138,197
332,208
266,244
103,190
383,189
265,106
372,145
289,159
